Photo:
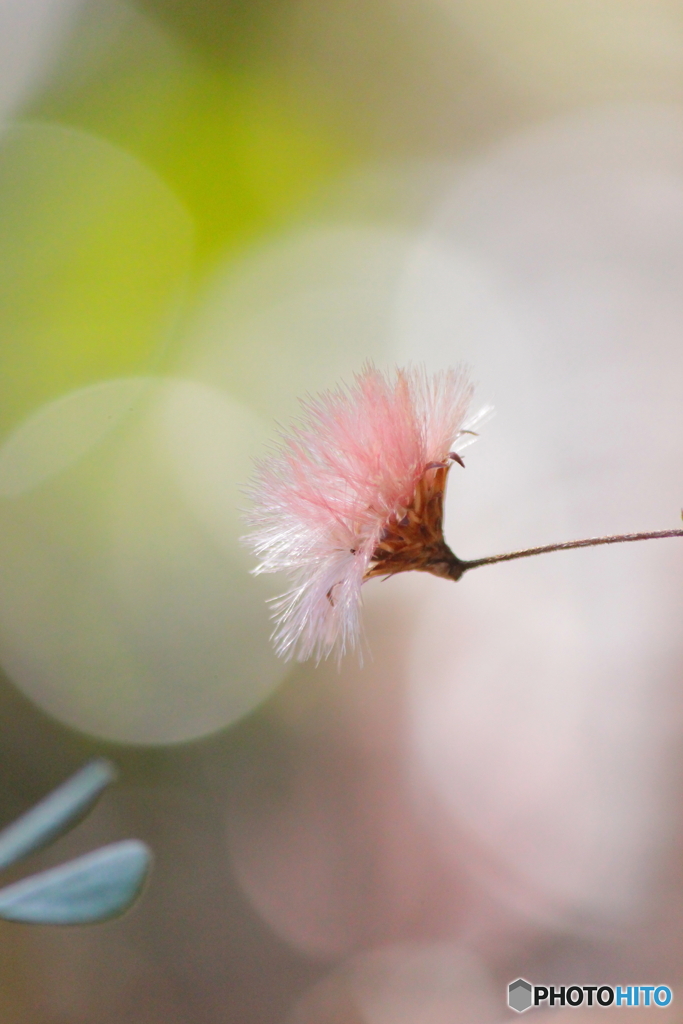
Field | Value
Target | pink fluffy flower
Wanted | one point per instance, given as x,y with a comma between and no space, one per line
355,490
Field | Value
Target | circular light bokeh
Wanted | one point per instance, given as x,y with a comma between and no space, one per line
299,315
96,253
62,432
321,826
405,983
126,605
544,691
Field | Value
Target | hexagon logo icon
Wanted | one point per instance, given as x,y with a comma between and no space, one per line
519,995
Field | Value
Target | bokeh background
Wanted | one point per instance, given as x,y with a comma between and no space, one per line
209,208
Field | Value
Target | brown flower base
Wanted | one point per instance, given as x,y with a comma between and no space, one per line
414,542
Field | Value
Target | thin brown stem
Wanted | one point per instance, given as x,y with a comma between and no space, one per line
590,542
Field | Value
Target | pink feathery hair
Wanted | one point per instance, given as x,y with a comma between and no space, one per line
342,483
356,490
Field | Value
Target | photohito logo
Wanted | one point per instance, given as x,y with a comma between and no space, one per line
522,995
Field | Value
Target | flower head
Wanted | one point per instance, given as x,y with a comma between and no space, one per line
355,490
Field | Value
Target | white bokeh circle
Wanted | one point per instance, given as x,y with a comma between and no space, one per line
126,605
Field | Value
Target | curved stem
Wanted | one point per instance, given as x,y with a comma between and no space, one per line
590,542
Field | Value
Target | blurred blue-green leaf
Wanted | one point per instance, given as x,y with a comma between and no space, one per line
95,887
60,810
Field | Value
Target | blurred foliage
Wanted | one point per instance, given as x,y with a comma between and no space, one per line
93,888
95,253
237,145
